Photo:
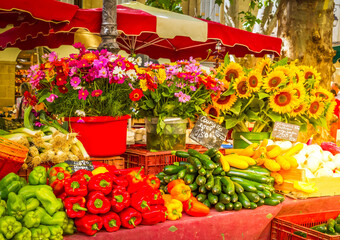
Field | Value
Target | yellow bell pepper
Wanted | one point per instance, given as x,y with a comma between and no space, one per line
167,197
174,208
305,187
181,192
99,170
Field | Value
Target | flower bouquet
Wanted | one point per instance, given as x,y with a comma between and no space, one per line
168,93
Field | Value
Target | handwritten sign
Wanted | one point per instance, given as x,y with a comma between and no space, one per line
286,131
208,133
78,165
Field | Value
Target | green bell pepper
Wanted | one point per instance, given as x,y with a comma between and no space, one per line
31,219
23,182
24,234
30,191
9,226
32,204
16,206
2,237
42,233
49,201
68,226
57,219
63,165
38,176
10,183
56,232
3,208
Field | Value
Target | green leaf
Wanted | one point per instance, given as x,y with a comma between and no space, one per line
236,108
275,117
263,95
231,122
252,116
229,92
150,103
43,97
226,60
200,101
282,62
256,105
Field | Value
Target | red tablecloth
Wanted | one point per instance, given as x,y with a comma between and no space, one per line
244,224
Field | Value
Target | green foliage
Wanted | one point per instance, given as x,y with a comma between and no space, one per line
171,5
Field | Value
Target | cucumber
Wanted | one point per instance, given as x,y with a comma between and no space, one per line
201,197
210,183
172,169
234,198
161,174
207,203
237,206
253,205
212,198
193,152
209,173
242,198
247,187
181,174
219,207
250,176
182,154
278,197
173,177
229,185
337,228
189,178
269,188
260,202
183,163
218,171
202,172
217,188
207,162
195,162
259,186
238,188
330,225
190,168
320,228
267,193
167,178
253,197
202,189
211,152
193,186
255,169
271,201
261,194
216,158
229,206
223,173
200,180
224,198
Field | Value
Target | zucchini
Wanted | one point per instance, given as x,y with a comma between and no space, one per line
173,177
267,193
253,205
183,163
194,194
201,197
331,225
247,187
190,168
278,197
219,207
223,173
301,234
224,198
261,194
194,161
182,154
217,157
259,186
189,178
211,152
217,188
202,172
172,169
337,228
207,203
167,178
218,170
229,206
234,198
202,189
210,183
209,173
193,186
229,185
161,174
253,197
250,176
255,169
242,198
271,201
181,174
200,180
213,199
193,152
260,202
238,188
237,206
320,228
207,162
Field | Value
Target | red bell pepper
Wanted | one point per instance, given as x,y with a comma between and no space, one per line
89,224
153,181
130,218
75,206
140,200
76,186
101,182
120,200
62,196
85,173
111,221
124,172
195,208
120,181
57,177
156,197
118,187
156,214
110,168
97,203
136,180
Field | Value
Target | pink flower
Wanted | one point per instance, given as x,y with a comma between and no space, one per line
102,73
179,94
193,88
75,81
80,120
51,98
96,93
82,94
184,98
52,56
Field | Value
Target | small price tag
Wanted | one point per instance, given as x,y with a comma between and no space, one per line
286,131
208,133
78,165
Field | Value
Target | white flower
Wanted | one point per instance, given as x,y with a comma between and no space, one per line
78,87
118,71
131,59
139,61
80,113
147,64
113,58
131,73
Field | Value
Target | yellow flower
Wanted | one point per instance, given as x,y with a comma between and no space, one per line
140,70
316,107
323,94
264,66
254,80
330,110
213,112
296,75
273,80
286,70
300,91
241,88
143,85
49,74
283,101
232,71
161,75
299,110
224,103
310,72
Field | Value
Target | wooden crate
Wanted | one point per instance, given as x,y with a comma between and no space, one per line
116,161
327,186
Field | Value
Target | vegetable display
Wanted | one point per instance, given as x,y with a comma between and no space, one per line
331,227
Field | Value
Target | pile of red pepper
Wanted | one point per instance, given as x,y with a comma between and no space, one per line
110,199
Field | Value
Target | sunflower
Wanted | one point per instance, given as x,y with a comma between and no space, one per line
232,71
284,69
224,103
322,93
330,110
299,110
241,87
273,80
316,107
300,92
254,80
212,112
283,101
264,66
310,73
296,75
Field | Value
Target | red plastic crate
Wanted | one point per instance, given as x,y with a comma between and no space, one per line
283,228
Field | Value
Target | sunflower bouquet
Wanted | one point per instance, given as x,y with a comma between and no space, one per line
270,92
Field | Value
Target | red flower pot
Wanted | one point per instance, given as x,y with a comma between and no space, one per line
101,136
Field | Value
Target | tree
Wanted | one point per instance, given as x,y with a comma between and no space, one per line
171,5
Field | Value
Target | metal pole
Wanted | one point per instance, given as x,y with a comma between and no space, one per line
108,30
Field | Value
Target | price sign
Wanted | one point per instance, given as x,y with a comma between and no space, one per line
208,133
78,165
286,131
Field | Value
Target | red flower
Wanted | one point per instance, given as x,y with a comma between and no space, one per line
63,89
96,93
61,79
136,94
32,100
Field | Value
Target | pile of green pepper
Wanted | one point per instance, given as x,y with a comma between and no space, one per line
31,210
211,185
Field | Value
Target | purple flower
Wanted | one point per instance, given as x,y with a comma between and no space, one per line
193,88
51,98
35,113
52,56
75,81
80,120
82,94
